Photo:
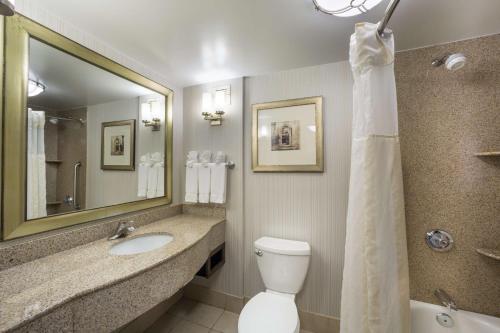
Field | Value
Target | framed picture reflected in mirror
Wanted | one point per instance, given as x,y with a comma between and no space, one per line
118,145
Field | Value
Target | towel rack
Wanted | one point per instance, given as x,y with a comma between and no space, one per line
229,165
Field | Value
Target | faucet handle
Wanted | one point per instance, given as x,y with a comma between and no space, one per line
130,225
122,230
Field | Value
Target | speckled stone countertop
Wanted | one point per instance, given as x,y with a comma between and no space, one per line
32,289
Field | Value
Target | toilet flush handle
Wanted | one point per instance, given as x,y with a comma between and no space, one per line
259,252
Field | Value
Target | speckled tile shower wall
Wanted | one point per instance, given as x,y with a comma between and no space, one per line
445,117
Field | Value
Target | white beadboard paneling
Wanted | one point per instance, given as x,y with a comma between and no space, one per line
33,9
310,206
199,135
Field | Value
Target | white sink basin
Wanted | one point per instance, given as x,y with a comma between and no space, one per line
141,244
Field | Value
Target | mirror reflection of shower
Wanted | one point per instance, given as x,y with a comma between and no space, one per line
55,120
66,155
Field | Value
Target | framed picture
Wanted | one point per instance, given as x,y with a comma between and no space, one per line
287,136
118,145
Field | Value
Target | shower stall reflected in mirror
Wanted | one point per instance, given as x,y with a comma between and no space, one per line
64,138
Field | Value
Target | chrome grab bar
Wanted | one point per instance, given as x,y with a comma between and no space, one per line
76,167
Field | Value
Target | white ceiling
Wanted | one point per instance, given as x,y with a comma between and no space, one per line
196,41
71,82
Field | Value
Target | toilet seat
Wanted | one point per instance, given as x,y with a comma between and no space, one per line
269,313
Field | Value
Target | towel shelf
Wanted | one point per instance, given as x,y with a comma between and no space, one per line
229,165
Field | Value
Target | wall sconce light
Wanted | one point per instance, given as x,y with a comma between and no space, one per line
150,112
213,105
215,118
35,88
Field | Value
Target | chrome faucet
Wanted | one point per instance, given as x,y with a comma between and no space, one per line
445,299
123,229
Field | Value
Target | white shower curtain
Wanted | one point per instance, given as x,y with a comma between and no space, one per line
375,290
36,200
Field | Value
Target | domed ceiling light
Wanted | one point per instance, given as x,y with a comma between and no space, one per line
345,8
35,88
7,7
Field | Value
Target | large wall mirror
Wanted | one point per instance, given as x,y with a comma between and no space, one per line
84,137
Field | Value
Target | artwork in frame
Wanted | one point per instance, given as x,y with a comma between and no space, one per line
287,136
118,145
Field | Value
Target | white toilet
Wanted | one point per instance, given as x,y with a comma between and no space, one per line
283,266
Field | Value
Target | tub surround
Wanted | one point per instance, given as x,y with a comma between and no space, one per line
87,289
445,118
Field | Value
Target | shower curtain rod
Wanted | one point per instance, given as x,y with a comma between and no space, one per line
388,14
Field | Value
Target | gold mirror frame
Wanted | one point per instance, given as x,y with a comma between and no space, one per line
14,37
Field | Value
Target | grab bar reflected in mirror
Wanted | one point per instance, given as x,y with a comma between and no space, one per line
77,166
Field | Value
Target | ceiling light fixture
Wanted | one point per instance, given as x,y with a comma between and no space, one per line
35,88
7,7
345,8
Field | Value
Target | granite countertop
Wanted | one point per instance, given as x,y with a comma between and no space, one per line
32,289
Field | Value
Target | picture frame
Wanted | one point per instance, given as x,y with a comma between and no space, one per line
287,136
118,145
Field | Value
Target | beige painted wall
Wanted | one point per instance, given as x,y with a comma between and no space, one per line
445,117
199,135
109,187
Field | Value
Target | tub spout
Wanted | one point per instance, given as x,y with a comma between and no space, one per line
445,299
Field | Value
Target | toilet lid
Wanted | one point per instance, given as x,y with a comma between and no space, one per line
269,313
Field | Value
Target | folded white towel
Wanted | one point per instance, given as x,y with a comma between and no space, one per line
192,156
142,186
152,182
204,183
146,158
191,183
160,182
205,156
218,180
220,157
157,157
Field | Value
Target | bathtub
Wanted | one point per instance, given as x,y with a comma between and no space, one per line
423,320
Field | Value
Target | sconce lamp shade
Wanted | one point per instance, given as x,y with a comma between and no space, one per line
155,109
7,7
345,8
146,114
35,88
220,99
207,103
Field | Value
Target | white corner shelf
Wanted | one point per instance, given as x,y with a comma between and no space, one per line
488,154
490,253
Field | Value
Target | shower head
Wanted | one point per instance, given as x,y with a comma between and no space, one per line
452,62
55,120
455,61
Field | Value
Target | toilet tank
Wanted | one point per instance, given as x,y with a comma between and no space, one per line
282,263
